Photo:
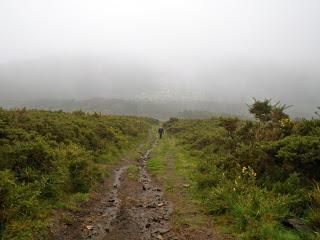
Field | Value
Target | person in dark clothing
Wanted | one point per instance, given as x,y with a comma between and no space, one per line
161,132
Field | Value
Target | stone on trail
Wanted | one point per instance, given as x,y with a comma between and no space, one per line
89,227
151,205
163,230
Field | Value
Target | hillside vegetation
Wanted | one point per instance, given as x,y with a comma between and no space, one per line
51,160
260,178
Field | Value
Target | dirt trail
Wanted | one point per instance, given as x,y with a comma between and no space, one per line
143,212
133,208
128,209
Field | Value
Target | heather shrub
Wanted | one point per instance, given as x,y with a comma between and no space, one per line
257,174
47,158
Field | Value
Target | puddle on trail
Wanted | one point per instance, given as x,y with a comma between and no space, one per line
111,203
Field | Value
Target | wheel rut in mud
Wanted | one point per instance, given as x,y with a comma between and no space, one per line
132,209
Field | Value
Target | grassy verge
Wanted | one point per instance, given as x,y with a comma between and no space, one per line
257,180
174,168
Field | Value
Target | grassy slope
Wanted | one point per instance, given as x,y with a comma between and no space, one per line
249,206
174,168
52,160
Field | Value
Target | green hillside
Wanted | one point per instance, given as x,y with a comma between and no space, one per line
258,179
51,160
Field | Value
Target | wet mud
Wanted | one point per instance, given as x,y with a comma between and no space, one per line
126,208
130,209
143,212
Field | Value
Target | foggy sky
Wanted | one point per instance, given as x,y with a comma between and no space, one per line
226,50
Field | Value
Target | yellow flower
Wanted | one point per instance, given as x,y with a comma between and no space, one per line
244,169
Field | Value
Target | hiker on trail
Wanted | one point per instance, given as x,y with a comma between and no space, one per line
161,132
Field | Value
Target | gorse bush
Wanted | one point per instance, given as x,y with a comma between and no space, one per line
297,154
262,176
264,111
48,157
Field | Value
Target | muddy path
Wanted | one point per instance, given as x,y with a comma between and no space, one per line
125,208
143,212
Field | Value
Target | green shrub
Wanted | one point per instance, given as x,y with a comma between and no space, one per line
314,212
297,154
80,175
46,158
229,124
256,174
246,131
309,127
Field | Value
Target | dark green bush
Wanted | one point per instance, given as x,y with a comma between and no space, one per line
257,174
229,124
80,175
309,127
297,154
47,157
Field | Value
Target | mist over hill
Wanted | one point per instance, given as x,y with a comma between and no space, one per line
222,52
125,86
156,109
73,78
